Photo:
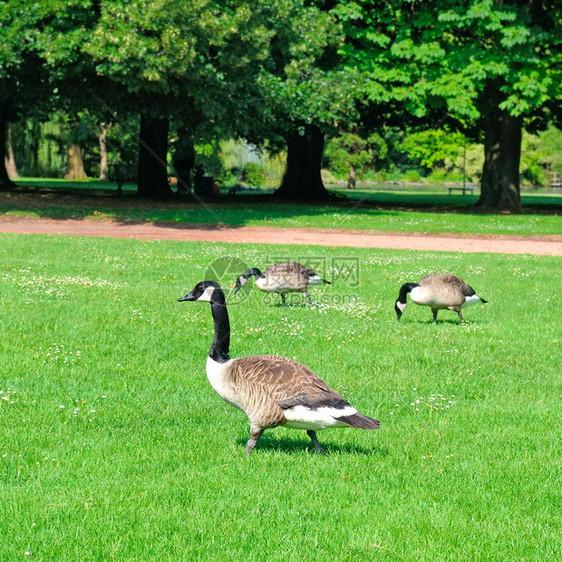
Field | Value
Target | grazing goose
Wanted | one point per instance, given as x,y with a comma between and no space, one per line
439,291
270,389
282,278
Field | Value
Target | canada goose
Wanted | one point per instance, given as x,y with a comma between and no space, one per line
282,278
439,291
270,389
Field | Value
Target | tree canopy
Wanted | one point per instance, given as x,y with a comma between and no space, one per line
484,66
290,71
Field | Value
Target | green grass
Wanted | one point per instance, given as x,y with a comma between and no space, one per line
387,211
127,453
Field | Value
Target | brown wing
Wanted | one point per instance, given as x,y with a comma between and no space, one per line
451,280
286,267
288,382
465,289
293,268
303,270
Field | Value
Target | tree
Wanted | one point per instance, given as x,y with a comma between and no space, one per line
23,80
306,94
103,130
10,161
79,131
487,67
195,61
43,66
219,67
435,147
302,178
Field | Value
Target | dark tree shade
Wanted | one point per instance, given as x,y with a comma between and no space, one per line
302,179
153,174
502,150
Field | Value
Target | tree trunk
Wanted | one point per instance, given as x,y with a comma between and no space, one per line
352,178
153,173
302,179
5,181
75,163
102,137
502,155
11,167
34,136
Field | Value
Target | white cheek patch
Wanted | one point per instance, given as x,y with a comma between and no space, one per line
401,306
207,294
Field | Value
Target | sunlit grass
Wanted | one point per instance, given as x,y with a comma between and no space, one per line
114,445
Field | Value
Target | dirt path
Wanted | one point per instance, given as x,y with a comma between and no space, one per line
548,245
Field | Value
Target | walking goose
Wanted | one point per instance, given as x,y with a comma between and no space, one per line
270,389
439,291
282,278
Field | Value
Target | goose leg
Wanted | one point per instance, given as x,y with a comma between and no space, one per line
308,297
255,433
283,303
460,316
317,447
434,315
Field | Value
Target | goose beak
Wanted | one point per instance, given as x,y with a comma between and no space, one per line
188,297
239,282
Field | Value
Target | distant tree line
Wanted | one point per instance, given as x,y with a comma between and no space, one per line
40,149
286,75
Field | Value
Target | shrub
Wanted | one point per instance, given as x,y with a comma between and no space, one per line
253,174
411,176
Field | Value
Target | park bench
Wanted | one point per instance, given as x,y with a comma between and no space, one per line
122,172
464,189
555,180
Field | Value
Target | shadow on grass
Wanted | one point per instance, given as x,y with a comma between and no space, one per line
288,445
373,210
453,321
181,213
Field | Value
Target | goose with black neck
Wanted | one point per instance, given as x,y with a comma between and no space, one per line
271,390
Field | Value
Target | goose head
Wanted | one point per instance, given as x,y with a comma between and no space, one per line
240,282
207,291
399,307
243,279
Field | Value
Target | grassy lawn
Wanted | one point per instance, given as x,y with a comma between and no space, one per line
114,445
379,210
